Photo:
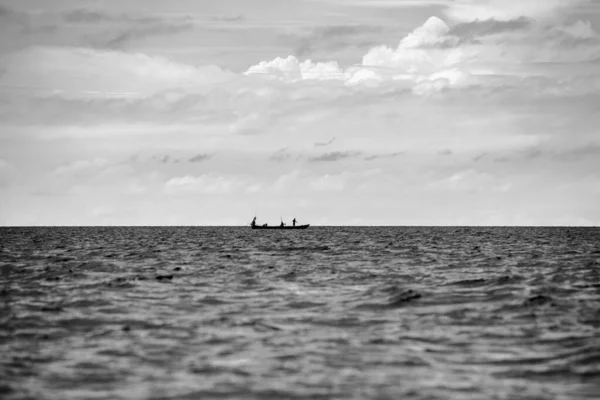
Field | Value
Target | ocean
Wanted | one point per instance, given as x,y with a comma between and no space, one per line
324,313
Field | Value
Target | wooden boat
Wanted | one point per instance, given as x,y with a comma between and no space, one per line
281,227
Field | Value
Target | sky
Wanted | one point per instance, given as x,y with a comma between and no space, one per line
335,112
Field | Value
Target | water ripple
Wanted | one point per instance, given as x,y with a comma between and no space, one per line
331,313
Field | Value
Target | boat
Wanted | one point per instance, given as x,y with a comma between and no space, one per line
280,227
254,225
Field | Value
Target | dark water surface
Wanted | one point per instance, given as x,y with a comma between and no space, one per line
326,313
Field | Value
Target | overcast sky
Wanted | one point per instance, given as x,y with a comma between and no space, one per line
336,112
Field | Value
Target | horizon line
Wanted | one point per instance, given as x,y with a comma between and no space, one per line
311,225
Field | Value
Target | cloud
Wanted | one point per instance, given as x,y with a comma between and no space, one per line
170,159
433,33
7,171
328,39
206,184
290,69
119,39
281,155
470,10
439,81
387,3
480,157
90,16
85,28
297,180
471,181
230,18
116,30
81,167
240,107
379,156
333,156
581,29
179,106
344,180
200,157
20,29
251,123
477,28
323,144
420,54
166,159
6,12
578,153
484,50
9,16
84,69
427,53
329,183
287,182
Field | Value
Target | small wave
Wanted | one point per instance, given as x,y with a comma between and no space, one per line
538,300
304,248
469,282
97,266
500,281
212,301
403,298
389,296
303,304
507,280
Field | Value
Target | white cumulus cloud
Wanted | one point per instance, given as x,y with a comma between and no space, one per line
291,69
432,33
427,50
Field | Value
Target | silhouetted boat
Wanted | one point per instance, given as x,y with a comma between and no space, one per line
281,227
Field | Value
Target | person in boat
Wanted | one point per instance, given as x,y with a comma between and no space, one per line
294,221
253,223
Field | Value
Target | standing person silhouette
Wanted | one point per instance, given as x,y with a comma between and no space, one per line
253,222
294,221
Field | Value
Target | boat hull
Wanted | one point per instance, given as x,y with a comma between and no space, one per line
281,227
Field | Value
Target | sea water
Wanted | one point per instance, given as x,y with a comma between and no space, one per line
324,313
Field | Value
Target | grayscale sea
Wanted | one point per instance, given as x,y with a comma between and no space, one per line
325,313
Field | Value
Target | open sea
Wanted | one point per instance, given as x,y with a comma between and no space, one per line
325,313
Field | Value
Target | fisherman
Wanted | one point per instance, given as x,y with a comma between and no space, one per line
253,223
294,221
282,224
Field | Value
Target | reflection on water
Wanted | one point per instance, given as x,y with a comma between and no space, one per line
411,313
